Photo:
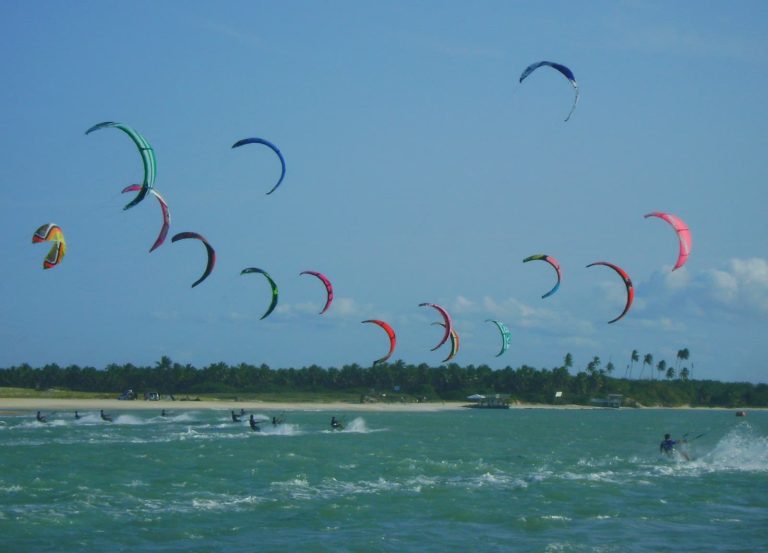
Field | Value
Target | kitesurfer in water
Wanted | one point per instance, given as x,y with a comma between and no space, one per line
78,416
335,424
254,424
41,417
235,418
162,414
667,446
105,417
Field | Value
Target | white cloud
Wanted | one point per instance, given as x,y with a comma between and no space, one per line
742,285
342,308
463,305
738,287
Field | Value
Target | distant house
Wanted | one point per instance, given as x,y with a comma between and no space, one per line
495,401
612,400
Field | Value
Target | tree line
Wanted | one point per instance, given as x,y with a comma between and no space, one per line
449,382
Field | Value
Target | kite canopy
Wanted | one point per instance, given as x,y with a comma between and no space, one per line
454,343
271,283
627,282
166,214
446,319
683,235
272,147
147,157
328,288
392,338
211,253
567,73
506,336
552,261
51,233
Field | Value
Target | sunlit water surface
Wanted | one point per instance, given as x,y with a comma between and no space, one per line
490,480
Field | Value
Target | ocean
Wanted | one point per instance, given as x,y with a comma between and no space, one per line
488,480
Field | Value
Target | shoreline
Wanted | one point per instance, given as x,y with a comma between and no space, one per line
23,405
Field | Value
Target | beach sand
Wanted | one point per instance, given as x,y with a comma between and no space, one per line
112,405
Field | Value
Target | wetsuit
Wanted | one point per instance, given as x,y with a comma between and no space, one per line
105,417
254,424
235,418
41,418
667,446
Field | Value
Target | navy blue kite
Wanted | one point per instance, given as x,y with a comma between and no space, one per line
567,73
271,147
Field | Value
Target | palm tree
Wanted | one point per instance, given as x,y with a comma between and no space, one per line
670,373
633,358
609,368
684,373
594,365
648,360
662,368
568,361
684,354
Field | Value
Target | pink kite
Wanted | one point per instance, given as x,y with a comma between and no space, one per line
328,288
683,234
163,208
446,319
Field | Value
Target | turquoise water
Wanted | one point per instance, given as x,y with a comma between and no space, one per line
517,480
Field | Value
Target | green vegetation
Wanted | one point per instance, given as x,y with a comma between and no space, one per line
391,381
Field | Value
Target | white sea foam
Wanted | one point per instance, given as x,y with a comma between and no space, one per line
129,420
281,430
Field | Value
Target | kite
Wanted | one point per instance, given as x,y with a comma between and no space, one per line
271,147
627,283
211,253
683,234
51,233
552,261
147,158
505,335
392,338
567,73
271,283
454,343
328,287
446,319
163,208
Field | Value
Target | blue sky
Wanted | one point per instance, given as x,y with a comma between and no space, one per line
419,170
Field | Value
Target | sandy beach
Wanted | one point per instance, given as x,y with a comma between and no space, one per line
114,405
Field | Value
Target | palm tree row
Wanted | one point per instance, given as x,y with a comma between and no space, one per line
662,369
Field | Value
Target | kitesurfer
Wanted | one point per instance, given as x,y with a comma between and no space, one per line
41,417
254,424
335,424
162,414
78,416
105,417
235,418
667,446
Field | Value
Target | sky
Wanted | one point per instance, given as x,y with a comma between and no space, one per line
418,170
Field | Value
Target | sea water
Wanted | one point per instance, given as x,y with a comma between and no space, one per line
490,480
